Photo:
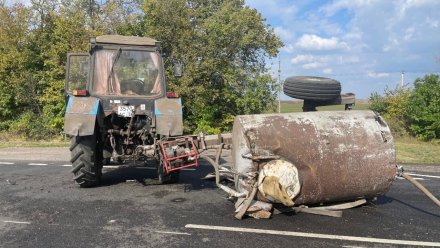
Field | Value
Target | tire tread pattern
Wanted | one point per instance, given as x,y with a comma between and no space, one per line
312,88
85,159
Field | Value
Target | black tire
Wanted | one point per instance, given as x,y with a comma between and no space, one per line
163,177
312,88
86,159
172,177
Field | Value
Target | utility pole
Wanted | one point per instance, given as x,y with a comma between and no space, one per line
401,79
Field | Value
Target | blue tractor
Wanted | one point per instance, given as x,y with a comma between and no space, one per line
118,110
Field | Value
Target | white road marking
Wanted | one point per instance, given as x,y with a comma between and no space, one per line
36,164
187,169
66,165
176,233
6,163
315,235
420,175
17,222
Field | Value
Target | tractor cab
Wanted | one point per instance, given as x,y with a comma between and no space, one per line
117,69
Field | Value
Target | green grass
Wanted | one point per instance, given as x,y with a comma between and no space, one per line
410,150
7,140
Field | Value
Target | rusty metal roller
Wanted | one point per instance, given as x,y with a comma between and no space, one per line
339,156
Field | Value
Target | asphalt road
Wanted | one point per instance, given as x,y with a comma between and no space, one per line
40,206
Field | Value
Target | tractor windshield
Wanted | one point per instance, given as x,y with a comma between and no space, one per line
126,72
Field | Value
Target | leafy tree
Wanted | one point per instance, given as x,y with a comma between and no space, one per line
223,45
423,107
34,42
377,103
392,107
13,60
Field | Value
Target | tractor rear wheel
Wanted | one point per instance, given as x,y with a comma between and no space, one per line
86,159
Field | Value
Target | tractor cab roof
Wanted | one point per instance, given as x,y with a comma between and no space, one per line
126,40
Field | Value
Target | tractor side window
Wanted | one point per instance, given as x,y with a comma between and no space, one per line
77,72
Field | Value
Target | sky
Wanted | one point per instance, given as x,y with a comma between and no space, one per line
364,44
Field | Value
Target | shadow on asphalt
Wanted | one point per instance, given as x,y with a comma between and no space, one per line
192,179
382,200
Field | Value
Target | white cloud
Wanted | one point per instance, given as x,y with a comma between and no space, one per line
283,9
392,43
410,4
432,22
335,6
309,61
327,71
348,59
314,42
378,74
300,59
289,48
284,33
409,33
312,65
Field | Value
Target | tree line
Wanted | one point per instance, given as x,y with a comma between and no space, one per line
223,45
411,111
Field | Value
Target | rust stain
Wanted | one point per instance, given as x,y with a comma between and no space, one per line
339,155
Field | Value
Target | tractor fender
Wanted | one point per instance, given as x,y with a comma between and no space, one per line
82,114
168,114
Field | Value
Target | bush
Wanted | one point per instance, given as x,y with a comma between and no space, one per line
398,126
392,107
377,103
4,125
423,108
32,126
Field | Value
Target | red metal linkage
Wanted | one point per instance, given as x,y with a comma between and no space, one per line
167,160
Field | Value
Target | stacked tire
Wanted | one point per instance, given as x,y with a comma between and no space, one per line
312,88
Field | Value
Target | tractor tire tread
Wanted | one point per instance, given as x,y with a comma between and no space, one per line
76,156
86,164
77,167
72,146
